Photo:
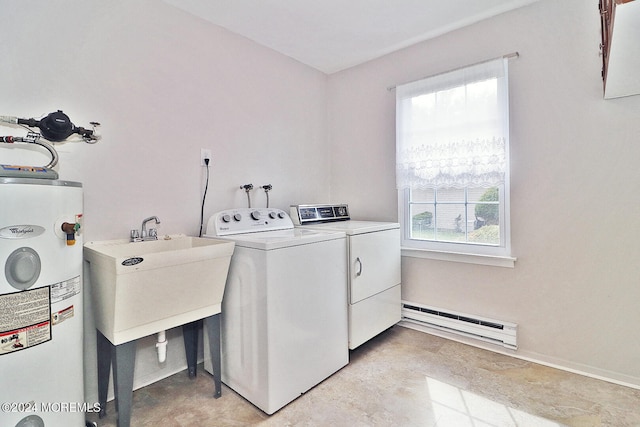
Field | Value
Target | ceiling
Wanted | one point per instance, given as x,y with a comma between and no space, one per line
332,35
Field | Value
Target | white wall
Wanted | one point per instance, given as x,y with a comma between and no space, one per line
163,84
575,186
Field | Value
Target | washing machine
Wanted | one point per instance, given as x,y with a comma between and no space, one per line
41,312
284,311
373,253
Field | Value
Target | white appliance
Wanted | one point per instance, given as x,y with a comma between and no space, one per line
41,350
373,267
284,311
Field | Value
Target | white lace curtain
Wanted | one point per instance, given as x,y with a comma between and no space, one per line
452,129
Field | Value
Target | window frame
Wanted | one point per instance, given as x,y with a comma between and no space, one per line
496,255
457,251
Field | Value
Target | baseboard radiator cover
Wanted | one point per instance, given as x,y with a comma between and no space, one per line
488,330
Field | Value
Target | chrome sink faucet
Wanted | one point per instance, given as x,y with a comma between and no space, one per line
143,235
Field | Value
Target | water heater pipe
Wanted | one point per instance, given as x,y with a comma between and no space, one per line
34,139
247,188
161,346
266,189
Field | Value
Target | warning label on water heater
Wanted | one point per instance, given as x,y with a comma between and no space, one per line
25,319
65,289
62,315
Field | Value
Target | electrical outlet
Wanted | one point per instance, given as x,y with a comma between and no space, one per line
204,154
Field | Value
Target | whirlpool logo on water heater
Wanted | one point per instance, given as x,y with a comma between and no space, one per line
21,231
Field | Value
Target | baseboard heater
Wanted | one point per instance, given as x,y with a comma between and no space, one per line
493,331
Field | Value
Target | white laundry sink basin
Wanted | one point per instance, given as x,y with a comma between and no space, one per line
142,288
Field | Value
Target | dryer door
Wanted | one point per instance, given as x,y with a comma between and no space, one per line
374,263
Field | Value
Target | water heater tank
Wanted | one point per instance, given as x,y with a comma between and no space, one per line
41,314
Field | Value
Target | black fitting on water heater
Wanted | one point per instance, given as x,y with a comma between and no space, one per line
55,126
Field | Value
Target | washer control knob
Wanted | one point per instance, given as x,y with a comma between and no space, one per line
272,215
255,215
226,218
281,215
237,217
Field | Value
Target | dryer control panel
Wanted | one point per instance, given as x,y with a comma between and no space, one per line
247,220
317,214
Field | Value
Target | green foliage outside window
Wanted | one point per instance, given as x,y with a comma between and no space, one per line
423,218
488,213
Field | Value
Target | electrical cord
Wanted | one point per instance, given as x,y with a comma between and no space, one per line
204,197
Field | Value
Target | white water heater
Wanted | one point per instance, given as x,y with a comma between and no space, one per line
41,313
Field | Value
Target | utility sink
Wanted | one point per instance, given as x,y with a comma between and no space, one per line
142,288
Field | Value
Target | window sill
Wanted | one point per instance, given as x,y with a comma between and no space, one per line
491,260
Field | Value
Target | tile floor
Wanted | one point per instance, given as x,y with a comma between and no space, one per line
403,378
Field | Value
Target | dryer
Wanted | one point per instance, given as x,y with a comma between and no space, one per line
373,253
284,311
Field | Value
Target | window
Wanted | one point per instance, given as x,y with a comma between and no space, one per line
452,151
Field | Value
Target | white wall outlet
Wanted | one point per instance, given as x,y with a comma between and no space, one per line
205,154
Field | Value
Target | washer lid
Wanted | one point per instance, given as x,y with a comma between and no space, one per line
269,240
354,227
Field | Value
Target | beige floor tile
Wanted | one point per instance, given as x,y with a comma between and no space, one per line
403,378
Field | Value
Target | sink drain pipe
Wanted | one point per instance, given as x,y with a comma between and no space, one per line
161,346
